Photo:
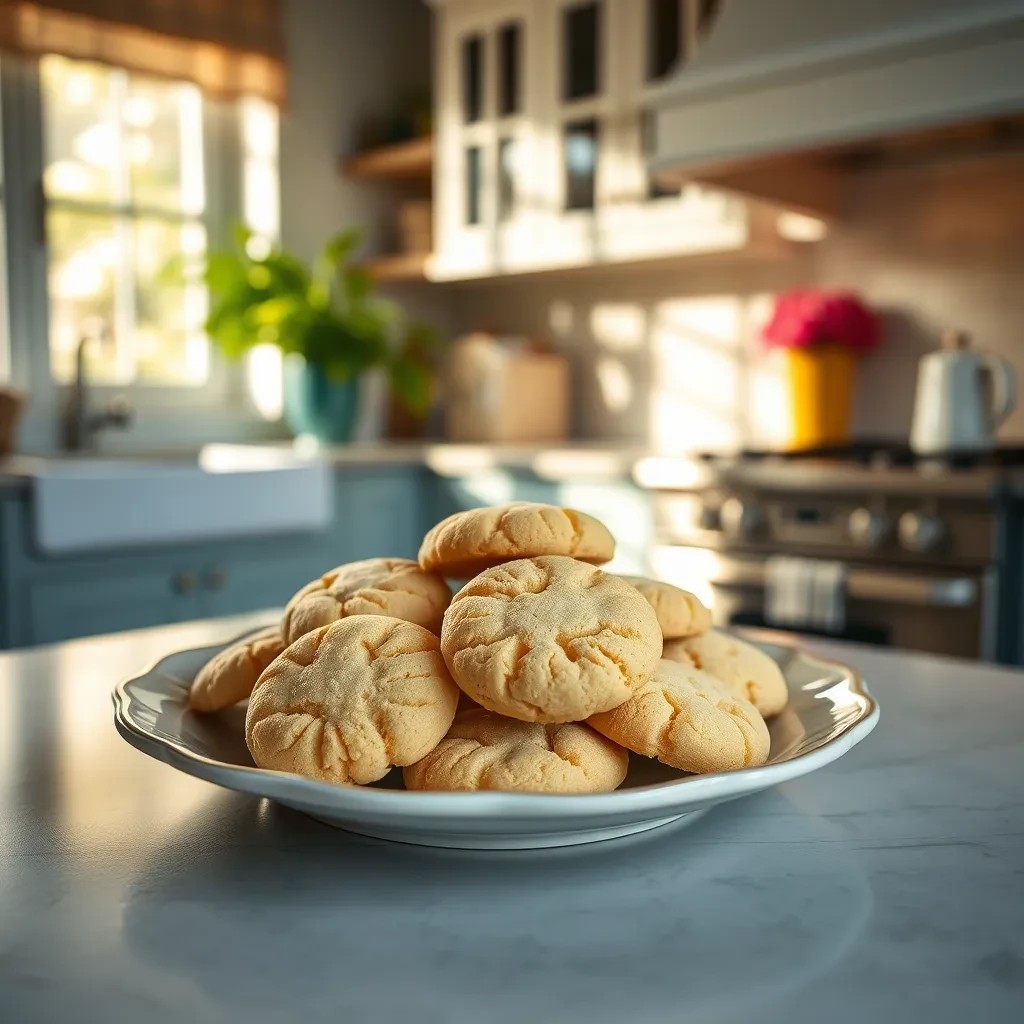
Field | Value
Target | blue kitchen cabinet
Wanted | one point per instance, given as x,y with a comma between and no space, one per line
43,599
60,607
381,514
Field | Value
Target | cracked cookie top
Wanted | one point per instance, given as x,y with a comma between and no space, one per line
487,751
347,701
745,670
679,612
469,542
229,676
686,719
375,586
549,639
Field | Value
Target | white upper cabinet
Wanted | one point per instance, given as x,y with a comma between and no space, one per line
542,130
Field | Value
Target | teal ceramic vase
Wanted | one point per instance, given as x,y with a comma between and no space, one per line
318,406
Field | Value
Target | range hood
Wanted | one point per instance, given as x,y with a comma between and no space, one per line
778,91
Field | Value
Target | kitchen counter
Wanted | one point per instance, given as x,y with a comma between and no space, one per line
888,886
572,460
552,462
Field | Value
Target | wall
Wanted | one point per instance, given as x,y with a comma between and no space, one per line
350,62
672,357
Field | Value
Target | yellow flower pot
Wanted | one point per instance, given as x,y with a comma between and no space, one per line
821,383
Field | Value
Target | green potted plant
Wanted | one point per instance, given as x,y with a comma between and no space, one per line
327,322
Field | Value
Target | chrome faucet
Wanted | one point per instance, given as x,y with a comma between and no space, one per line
80,427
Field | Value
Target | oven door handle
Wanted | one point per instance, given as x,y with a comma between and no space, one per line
865,585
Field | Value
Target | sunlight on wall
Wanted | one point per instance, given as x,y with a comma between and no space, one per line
615,383
264,367
561,317
697,353
618,326
767,399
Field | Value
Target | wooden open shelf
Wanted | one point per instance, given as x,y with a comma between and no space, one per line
399,267
402,161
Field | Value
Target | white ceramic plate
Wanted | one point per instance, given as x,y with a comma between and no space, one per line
829,711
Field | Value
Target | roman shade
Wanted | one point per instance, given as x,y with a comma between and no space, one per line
229,48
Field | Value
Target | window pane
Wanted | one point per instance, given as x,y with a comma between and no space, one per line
581,150
664,34
507,174
472,78
473,183
81,141
84,253
509,57
167,339
163,144
581,48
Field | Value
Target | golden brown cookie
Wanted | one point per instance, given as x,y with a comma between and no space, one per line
466,543
347,701
679,612
376,586
487,751
745,670
685,719
229,676
549,639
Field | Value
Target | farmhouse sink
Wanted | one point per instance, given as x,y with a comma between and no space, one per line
82,504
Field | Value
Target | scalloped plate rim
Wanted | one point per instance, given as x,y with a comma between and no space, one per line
400,807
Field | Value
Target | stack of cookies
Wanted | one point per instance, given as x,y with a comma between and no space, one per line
541,674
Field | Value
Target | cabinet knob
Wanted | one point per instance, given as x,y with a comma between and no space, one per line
183,583
216,578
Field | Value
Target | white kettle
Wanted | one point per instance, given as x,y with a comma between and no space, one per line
962,397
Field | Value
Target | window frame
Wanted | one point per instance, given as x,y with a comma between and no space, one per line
166,416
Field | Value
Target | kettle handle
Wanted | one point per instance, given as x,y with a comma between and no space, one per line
1004,388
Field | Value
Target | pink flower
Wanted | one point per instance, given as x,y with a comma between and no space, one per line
805,318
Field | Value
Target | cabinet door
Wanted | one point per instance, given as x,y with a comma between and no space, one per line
252,581
385,515
60,609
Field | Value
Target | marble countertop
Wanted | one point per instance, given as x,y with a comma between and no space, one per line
607,461
554,462
888,886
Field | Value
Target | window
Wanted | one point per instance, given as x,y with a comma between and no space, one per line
5,364
674,30
664,37
509,58
581,47
581,149
125,194
139,174
506,178
474,183
472,79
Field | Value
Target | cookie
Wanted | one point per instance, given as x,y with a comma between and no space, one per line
549,639
684,718
376,586
229,676
349,700
469,542
746,670
487,751
679,612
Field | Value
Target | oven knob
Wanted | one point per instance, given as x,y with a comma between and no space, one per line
868,529
741,519
921,532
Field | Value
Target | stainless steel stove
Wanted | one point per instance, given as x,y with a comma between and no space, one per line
927,554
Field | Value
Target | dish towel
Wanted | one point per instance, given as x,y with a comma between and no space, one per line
805,593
